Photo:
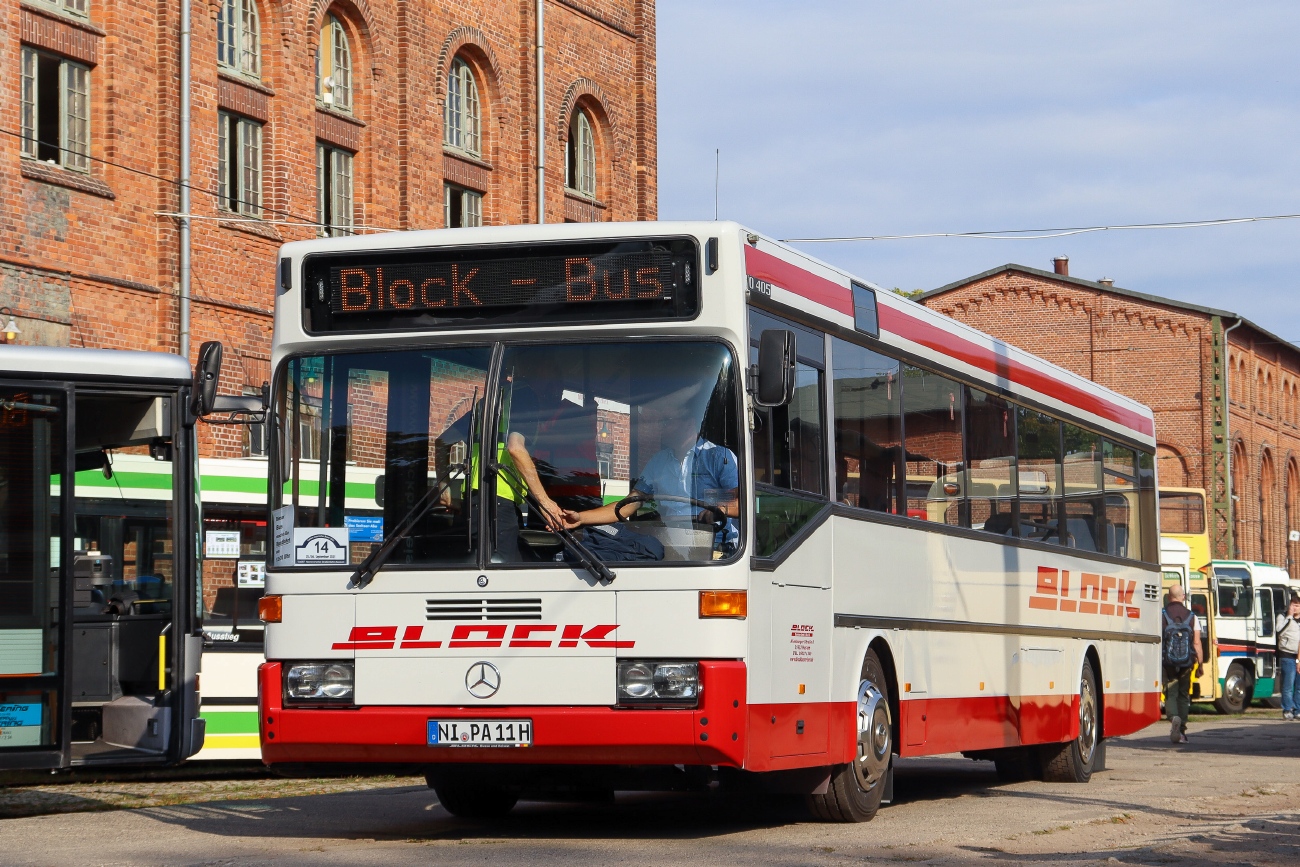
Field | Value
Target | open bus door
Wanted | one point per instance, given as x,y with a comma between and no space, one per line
98,643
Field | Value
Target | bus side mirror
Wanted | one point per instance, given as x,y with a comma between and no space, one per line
207,373
772,379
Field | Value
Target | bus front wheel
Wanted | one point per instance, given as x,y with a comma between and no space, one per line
1238,689
857,788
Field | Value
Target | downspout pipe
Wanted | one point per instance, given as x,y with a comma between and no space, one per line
540,75
185,182
1227,439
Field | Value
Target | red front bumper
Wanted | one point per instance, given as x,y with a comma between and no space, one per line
711,734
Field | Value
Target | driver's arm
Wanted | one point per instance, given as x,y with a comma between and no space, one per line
517,448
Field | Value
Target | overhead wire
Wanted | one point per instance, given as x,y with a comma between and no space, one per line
1039,234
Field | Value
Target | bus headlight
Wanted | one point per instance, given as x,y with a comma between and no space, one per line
659,684
318,681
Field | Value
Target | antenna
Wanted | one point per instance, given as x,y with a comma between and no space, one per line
717,165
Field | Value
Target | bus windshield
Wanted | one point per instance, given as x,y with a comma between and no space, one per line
571,430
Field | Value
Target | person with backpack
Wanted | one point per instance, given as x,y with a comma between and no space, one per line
1288,649
1180,655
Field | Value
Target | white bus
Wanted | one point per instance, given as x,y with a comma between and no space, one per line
814,525
99,638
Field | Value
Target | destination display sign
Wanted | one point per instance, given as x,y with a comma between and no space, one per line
567,282
503,282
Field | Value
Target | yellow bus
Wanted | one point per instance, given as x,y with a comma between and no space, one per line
1183,517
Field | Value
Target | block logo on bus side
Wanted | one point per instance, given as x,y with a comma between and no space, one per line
490,635
1102,595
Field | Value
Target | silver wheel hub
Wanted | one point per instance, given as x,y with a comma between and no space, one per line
1087,720
875,734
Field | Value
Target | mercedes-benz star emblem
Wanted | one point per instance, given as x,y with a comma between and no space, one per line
482,680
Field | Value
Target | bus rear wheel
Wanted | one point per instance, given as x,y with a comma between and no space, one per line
857,788
1238,689
467,799
1073,762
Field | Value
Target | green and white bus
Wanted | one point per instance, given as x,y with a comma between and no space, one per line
233,497
100,637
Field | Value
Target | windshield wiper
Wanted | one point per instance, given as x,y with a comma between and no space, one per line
586,559
366,571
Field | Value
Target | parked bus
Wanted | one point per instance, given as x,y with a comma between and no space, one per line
1183,516
747,574
1248,598
99,643
233,498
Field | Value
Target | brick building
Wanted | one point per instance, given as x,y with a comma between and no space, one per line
1225,392
309,116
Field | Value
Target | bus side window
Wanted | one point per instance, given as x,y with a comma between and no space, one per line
932,417
991,462
789,447
867,427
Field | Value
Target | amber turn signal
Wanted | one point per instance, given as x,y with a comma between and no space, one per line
270,609
724,603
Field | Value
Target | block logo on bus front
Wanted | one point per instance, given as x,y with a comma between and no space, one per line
484,635
1102,595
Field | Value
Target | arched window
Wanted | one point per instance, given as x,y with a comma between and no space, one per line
461,130
239,43
580,167
1239,470
334,66
1291,497
1267,525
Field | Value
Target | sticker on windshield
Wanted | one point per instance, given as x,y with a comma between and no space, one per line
320,546
282,536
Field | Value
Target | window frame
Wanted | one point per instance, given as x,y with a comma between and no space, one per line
462,115
340,58
71,74
471,217
242,172
79,9
580,157
330,159
239,26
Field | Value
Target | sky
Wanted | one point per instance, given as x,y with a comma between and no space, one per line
836,117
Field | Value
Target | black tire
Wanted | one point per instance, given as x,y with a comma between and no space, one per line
1017,765
856,788
470,801
1238,690
1073,762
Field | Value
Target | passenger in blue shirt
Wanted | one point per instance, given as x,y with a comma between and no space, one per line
688,466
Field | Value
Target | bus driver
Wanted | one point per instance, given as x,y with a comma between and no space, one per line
688,467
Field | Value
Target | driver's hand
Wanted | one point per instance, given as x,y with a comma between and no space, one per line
572,520
551,513
444,499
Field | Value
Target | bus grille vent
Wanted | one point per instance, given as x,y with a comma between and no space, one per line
1150,592
483,609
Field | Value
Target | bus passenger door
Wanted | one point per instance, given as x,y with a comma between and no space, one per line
1265,642
34,594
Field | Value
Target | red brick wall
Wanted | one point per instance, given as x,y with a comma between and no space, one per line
1161,355
92,260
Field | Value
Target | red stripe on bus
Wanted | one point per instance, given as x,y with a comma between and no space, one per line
954,346
775,270
765,266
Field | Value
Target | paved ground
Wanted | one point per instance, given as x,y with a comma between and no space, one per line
1230,797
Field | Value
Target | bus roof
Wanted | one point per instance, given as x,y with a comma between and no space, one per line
58,362
823,293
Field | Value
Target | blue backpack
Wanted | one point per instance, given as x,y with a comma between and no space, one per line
1177,652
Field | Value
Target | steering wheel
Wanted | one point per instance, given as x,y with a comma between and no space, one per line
719,516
